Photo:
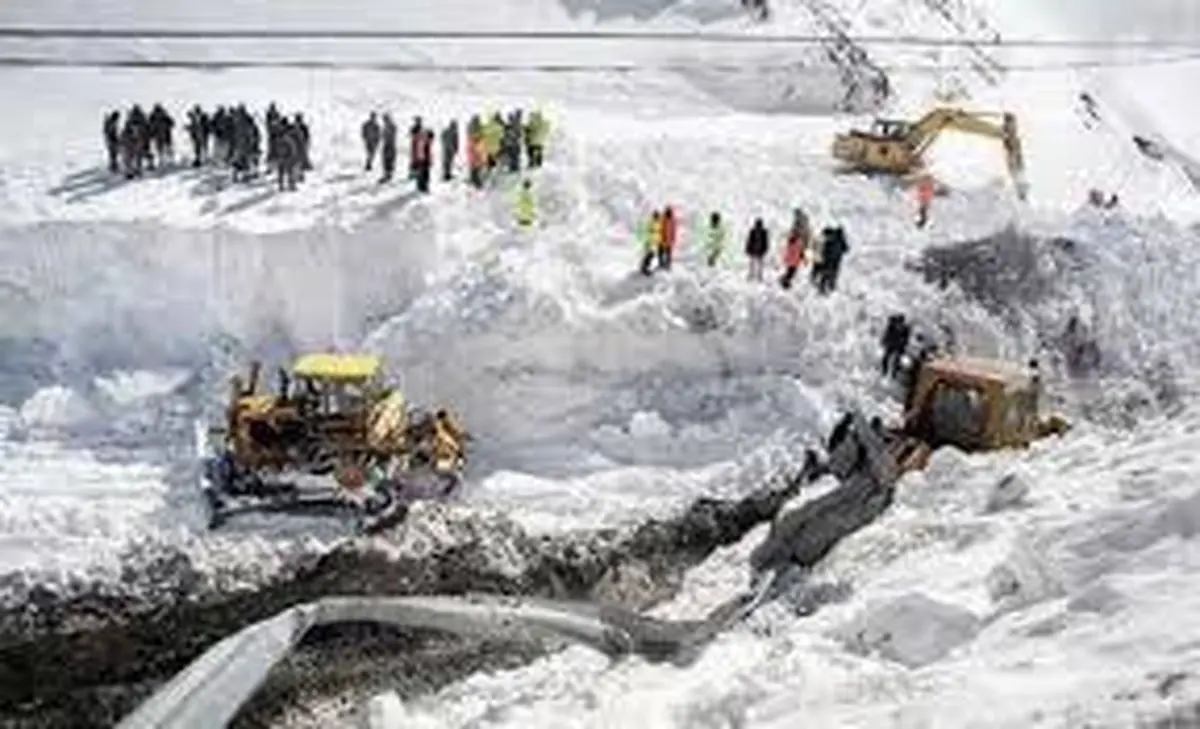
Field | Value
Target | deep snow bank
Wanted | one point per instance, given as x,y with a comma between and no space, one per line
1066,606
102,297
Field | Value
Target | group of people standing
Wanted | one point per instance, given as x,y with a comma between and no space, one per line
659,235
228,136
494,144
140,143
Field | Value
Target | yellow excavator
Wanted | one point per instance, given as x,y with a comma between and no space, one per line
893,147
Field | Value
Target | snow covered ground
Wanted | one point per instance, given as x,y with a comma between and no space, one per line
597,397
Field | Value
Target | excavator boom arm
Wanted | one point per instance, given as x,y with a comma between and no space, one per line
925,132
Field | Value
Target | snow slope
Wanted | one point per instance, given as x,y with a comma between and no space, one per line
1070,606
598,397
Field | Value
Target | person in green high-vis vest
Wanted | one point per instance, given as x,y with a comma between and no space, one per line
649,233
715,239
525,206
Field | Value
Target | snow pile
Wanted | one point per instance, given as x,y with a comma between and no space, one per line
598,397
1098,566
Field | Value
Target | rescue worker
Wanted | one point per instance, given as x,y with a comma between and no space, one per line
493,133
668,234
476,158
388,149
535,138
287,155
526,206
422,160
797,245
757,245
510,141
925,192
449,149
371,133
112,139
138,140
414,139
793,259
649,235
895,343
300,127
198,133
161,127
131,159
714,243
833,250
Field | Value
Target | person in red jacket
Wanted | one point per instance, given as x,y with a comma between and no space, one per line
667,238
925,191
796,247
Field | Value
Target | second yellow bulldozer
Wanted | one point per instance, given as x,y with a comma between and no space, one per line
894,147
332,436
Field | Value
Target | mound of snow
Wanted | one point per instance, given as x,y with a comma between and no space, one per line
912,629
56,407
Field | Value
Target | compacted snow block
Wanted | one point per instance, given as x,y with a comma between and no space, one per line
913,630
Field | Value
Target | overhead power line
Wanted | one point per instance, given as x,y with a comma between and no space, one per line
49,33
552,67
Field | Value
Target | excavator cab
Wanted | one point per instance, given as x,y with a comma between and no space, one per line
896,148
889,129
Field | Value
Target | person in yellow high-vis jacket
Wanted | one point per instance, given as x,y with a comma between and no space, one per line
649,234
525,208
493,134
536,132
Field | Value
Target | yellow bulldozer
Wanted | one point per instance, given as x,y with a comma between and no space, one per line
973,404
896,148
332,435
970,403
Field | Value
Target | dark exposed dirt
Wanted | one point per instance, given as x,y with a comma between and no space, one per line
90,658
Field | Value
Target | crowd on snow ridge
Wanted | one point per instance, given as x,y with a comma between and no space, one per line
232,137
493,143
229,136
659,236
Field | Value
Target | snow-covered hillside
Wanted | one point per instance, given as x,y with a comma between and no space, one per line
597,397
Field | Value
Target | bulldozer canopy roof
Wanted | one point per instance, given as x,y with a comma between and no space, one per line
338,367
981,370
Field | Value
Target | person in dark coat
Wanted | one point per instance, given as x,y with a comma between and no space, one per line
288,154
302,133
198,133
112,140
895,344
139,125
388,148
834,249
162,134
424,159
371,133
757,245
449,150
415,133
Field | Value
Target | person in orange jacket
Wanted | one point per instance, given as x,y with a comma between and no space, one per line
925,191
476,159
794,250
668,234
